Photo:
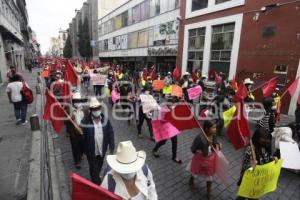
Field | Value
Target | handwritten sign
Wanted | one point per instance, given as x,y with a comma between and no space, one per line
163,130
260,181
98,79
148,103
194,92
158,85
167,89
177,91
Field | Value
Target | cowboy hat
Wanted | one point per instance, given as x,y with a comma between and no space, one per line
94,103
248,81
186,74
127,160
76,96
204,76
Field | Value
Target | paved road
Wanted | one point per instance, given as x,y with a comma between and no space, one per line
14,146
172,179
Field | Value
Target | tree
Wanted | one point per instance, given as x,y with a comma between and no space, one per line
84,46
68,48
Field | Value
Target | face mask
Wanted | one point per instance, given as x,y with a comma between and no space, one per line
128,176
96,113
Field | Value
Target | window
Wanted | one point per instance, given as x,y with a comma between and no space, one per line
221,46
150,37
118,22
133,40
143,38
221,1
164,6
124,19
145,10
196,48
105,45
199,4
154,7
136,14
130,16
177,3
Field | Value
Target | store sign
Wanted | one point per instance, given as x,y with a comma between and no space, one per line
162,51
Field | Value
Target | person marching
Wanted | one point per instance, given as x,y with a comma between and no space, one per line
98,137
249,84
129,177
77,114
202,163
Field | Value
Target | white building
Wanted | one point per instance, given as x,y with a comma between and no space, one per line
141,33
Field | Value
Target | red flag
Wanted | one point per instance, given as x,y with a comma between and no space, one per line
194,77
269,87
177,73
243,122
66,89
293,87
152,72
234,84
54,112
72,76
145,74
182,118
241,93
83,189
218,78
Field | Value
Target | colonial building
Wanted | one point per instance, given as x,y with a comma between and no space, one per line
57,43
242,38
141,33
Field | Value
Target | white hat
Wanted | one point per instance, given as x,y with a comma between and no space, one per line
248,81
76,96
204,76
127,160
186,74
94,103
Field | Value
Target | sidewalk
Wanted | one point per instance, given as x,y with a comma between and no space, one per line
14,146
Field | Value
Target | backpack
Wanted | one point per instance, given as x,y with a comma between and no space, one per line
27,94
112,182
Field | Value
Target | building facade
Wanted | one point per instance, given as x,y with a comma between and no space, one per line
141,33
11,40
242,38
57,44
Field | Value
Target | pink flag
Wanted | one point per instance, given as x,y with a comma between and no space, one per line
115,96
163,130
194,92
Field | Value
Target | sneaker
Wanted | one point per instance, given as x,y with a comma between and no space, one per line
155,154
18,122
24,123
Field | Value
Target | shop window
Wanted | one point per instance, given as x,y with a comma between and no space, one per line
196,48
145,10
199,4
136,14
221,47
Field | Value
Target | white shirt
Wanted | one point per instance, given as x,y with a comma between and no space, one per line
141,182
15,89
78,115
98,138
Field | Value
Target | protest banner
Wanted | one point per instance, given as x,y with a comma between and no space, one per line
98,79
163,130
260,181
158,85
115,96
290,155
177,91
167,89
149,103
194,92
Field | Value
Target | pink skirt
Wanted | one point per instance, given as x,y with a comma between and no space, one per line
202,165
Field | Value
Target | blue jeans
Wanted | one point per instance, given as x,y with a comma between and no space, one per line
20,110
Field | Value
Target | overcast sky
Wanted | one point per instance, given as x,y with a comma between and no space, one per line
47,16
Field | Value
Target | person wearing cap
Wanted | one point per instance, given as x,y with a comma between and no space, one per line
249,83
77,114
129,177
168,79
98,138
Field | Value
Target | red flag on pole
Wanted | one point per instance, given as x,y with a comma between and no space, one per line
293,87
152,72
269,87
66,89
54,112
241,93
72,76
145,74
234,84
177,73
83,189
182,118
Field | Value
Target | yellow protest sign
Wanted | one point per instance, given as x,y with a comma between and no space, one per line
228,114
167,89
260,181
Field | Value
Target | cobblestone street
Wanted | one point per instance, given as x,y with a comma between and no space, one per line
172,179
